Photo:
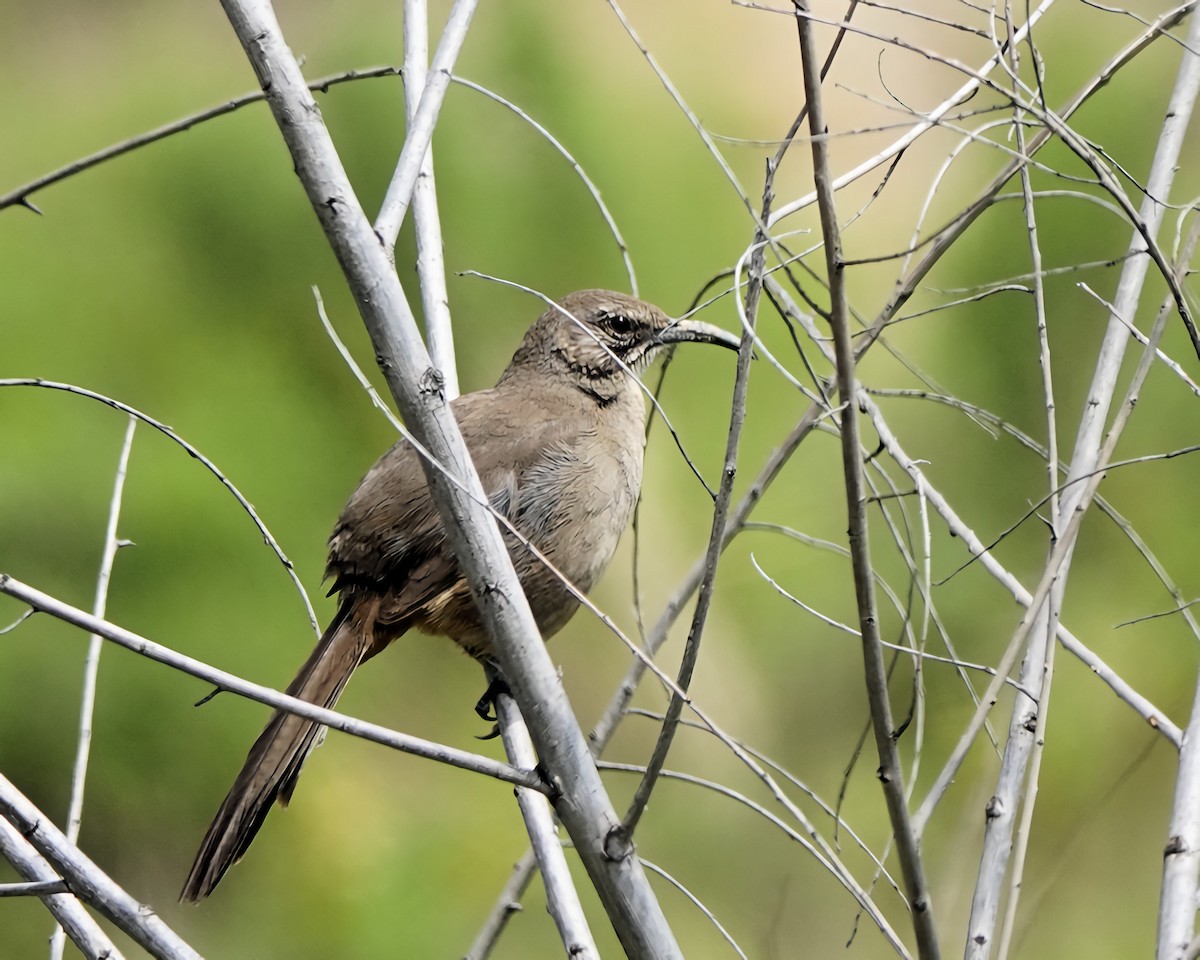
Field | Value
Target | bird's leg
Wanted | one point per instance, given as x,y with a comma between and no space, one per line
485,707
497,685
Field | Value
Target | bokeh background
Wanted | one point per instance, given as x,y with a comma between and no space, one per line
177,279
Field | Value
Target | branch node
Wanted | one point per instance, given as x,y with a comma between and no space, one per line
432,384
617,845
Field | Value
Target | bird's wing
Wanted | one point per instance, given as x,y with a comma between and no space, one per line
389,538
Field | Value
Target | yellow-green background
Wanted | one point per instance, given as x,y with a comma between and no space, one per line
177,279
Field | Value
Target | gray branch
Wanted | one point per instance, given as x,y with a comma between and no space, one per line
79,925
562,899
89,883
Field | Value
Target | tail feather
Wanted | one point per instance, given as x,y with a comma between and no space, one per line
273,763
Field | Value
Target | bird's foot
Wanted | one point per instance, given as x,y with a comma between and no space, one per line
486,707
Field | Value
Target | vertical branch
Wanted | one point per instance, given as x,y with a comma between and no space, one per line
92,664
1052,613
1177,907
1176,918
562,900
890,773
431,265
722,531
1013,803
420,130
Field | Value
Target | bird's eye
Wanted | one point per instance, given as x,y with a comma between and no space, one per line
619,324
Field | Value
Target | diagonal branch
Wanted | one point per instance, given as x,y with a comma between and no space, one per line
581,801
562,899
737,417
88,882
79,925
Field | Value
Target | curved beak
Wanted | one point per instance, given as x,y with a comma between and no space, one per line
697,331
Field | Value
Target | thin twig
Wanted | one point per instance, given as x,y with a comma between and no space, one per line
20,195
507,904
687,111
195,454
594,190
92,665
697,903
928,121
1011,808
431,264
737,416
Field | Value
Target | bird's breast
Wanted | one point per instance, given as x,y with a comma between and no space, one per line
578,501
574,503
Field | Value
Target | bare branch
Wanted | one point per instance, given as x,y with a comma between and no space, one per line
507,904
195,454
431,265
272,698
79,925
88,882
92,665
20,195
561,897
737,417
420,128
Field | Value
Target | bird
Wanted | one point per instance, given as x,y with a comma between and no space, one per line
558,445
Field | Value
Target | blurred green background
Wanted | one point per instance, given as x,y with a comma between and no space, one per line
177,279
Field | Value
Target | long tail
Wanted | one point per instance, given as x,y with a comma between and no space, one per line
274,761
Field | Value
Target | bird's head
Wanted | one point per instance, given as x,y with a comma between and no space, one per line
599,335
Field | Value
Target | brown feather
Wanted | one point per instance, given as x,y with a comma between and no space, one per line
557,444
274,762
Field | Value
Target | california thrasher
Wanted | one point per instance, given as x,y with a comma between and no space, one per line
558,446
